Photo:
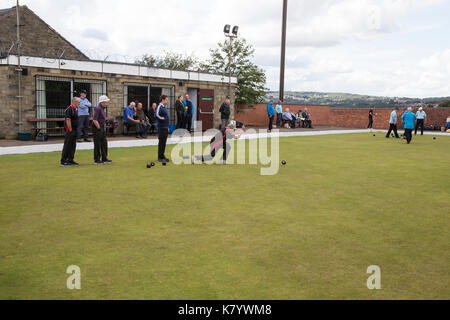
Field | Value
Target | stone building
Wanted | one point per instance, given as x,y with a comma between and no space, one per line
49,79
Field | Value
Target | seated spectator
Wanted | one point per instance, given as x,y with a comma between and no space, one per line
152,118
294,119
447,125
143,126
288,120
307,123
128,117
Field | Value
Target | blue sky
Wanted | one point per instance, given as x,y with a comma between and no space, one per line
377,47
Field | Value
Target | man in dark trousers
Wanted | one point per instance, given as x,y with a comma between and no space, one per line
180,109
270,114
408,120
393,124
420,116
70,139
163,127
98,128
370,126
225,113
189,111
219,141
83,117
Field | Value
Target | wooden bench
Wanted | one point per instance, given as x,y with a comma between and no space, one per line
59,120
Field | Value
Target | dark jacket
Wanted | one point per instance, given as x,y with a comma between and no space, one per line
225,111
179,107
162,115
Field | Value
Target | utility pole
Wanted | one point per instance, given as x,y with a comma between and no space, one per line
19,68
283,50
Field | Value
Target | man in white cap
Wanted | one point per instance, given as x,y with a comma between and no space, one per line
100,142
420,116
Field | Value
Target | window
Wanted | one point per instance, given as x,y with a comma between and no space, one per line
149,94
54,95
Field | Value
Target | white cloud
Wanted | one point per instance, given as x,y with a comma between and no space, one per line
332,45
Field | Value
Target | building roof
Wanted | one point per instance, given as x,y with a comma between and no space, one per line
107,67
37,37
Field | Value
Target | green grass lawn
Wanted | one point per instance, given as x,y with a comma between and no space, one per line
343,203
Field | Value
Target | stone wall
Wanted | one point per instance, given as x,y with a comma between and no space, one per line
340,117
115,83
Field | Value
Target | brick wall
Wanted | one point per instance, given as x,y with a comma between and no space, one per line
340,117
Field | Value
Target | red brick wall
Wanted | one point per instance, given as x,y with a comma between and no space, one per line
340,117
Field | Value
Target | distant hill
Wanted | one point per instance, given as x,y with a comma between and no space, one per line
348,100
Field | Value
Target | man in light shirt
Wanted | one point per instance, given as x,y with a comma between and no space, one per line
420,116
393,124
279,112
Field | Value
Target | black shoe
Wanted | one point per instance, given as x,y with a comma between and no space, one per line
64,164
167,160
99,162
79,140
73,163
163,160
107,161
87,140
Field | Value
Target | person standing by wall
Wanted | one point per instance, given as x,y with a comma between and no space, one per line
163,127
279,111
408,120
83,117
270,114
225,113
98,129
420,116
371,114
393,124
70,139
189,111
180,109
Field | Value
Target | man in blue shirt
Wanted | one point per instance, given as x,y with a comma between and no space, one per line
162,115
420,116
270,114
408,120
83,117
279,111
393,124
189,112
128,117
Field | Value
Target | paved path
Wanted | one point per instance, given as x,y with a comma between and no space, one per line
128,143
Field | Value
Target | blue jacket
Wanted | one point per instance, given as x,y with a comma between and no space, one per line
190,112
83,108
270,110
162,115
408,119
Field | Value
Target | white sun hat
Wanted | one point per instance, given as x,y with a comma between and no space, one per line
103,99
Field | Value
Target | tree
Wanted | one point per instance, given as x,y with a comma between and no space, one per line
171,60
445,104
250,88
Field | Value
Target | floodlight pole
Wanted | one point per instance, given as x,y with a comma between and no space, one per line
231,36
283,50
